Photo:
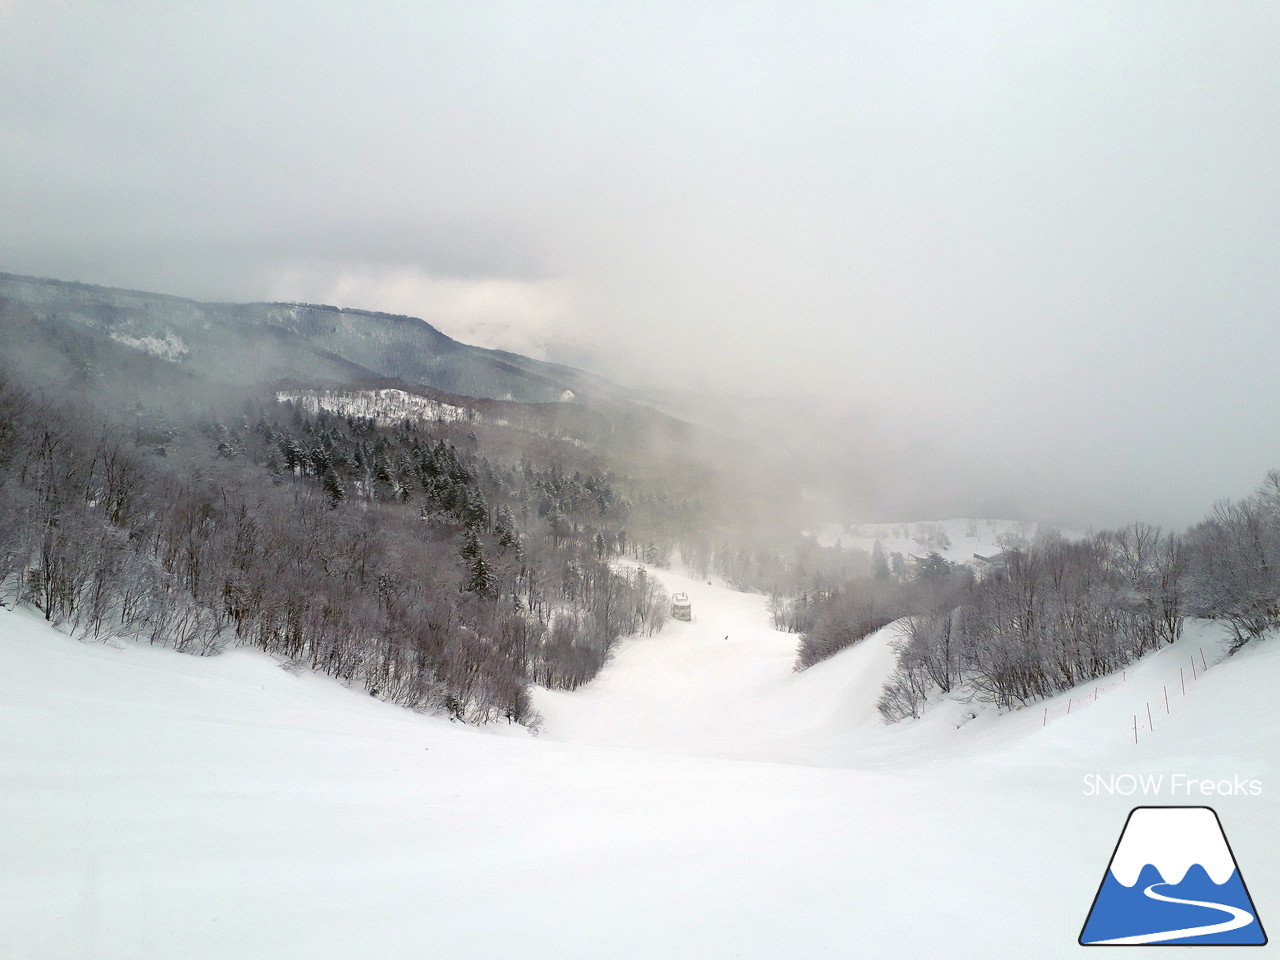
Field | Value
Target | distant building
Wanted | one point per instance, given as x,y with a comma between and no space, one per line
681,608
985,566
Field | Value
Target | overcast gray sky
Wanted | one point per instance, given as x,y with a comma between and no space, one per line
1032,247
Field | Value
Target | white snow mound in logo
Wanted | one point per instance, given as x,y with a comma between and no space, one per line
1171,839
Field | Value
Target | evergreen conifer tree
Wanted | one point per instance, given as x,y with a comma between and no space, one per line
879,562
480,579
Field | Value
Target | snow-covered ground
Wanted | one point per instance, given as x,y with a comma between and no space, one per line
698,800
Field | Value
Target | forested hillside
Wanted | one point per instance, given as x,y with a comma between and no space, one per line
442,562
258,342
203,475
387,556
446,551
1044,616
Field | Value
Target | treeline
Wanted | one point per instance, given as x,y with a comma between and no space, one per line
797,574
854,611
533,534
1234,564
833,620
1050,617
382,557
443,470
1060,613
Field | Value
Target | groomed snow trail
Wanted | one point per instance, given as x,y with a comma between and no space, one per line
698,800
724,686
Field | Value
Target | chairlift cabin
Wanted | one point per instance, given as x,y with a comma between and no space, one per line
681,609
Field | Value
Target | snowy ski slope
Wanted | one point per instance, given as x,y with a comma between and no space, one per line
698,800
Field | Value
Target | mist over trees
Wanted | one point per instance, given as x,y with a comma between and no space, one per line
448,564
383,556
1054,615
1059,613
441,563
846,615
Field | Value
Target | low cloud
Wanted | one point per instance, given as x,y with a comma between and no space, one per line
523,316
1032,248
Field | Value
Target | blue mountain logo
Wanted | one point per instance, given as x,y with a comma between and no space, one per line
1172,880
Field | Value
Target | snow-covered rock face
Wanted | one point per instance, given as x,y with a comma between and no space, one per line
383,406
1172,839
167,347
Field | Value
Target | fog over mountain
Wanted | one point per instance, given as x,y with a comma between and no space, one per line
993,256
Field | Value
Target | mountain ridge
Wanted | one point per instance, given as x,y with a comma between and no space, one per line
224,339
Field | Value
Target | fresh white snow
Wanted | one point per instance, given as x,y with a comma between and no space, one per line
698,800
386,406
167,347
